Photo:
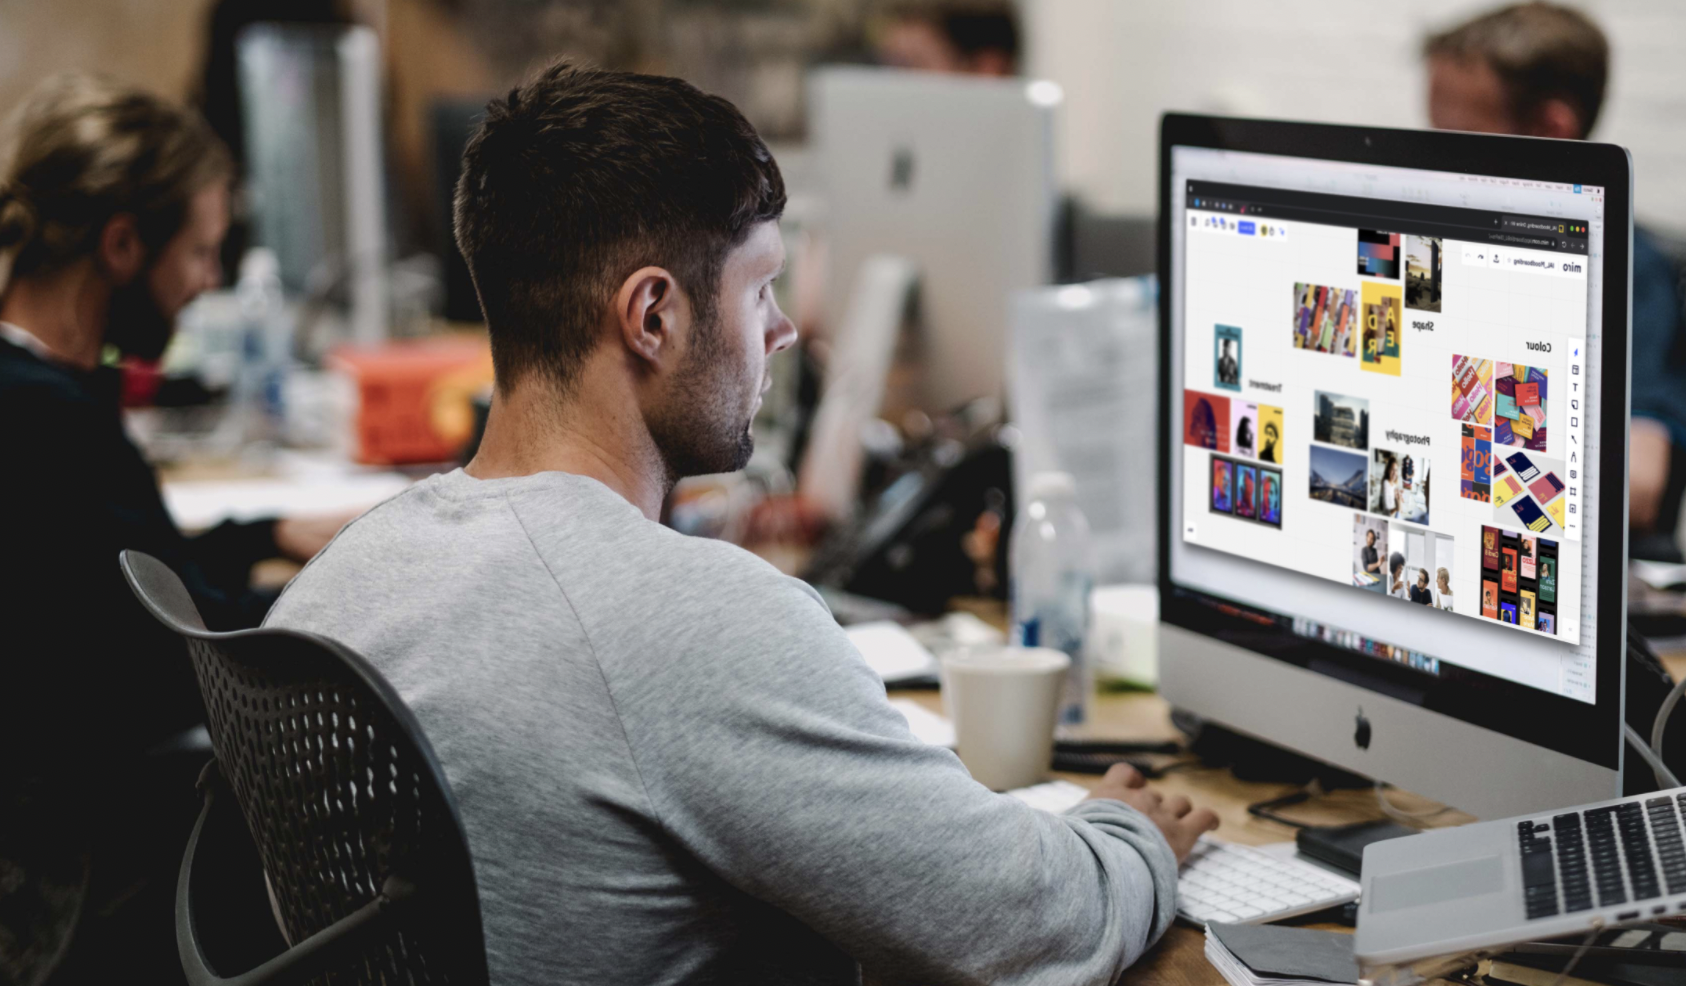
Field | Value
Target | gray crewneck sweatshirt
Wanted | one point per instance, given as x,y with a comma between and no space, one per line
674,767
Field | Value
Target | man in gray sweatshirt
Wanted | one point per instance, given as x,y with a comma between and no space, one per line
671,763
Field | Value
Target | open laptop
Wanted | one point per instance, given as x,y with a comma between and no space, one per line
1432,900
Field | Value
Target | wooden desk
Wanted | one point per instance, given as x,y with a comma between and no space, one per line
1179,959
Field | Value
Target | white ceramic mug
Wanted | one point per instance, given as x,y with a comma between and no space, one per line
1004,701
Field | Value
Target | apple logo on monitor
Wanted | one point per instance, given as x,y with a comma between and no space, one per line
901,169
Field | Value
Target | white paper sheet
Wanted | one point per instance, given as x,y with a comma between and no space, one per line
927,726
1083,376
891,651
197,505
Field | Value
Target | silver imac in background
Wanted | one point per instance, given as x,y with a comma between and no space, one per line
311,95
954,174
1394,409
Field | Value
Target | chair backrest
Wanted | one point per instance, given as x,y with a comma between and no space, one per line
339,788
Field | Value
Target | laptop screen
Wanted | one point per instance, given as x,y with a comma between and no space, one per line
1388,422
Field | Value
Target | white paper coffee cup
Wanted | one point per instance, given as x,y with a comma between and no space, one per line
1004,702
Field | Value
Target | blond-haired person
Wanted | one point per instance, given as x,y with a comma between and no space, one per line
113,205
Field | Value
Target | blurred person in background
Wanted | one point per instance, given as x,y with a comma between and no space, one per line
113,205
966,38
1540,70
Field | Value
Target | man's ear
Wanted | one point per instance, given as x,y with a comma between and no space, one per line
649,312
1556,118
121,251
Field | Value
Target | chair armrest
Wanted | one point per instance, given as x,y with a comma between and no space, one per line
303,961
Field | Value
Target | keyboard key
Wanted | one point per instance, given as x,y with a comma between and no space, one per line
1637,852
1539,876
1671,851
1602,850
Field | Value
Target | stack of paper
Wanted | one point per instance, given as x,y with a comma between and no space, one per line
891,651
926,726
1264,955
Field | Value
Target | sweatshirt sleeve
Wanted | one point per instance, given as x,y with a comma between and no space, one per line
768,749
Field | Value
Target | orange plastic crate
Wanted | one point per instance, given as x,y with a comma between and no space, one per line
413,396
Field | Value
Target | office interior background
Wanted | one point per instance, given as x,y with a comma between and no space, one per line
1118,64
1121,63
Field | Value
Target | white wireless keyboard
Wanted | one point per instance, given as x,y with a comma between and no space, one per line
1221,881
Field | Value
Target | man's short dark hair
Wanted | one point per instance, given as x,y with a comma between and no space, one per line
977,27
580,177
1539,51
971,26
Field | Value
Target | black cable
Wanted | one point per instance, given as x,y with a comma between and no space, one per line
1266,809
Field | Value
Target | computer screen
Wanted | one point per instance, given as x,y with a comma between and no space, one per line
1384,410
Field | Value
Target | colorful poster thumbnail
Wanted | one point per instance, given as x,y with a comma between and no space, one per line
1528,490
1383,329
1475,470
1226,357
1206,421
1227,426
1246,491
1472,390
1326,319
1519,410
1257,431
1519,579
1378,254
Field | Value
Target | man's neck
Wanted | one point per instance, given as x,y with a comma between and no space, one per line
66,310
531,431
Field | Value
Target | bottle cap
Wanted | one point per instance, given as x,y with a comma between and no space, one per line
260,262
1047,484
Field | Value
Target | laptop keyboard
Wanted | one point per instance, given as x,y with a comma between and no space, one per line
1618,854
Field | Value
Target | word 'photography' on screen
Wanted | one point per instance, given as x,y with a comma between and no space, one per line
1389,404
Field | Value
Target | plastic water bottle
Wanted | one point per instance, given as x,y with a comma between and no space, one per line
265,345
1052,568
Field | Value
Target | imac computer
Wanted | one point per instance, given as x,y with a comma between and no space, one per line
956,176
1393,451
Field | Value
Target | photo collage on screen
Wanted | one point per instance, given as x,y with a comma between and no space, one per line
1326,319
1244,477
1519,579
1387,485
1388,488
1505,457
1363,405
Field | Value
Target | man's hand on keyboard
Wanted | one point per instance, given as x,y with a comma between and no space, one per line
1179,820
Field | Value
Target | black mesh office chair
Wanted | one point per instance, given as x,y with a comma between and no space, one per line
352,818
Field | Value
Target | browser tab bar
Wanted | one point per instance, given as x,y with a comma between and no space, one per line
1414,215
1543,226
